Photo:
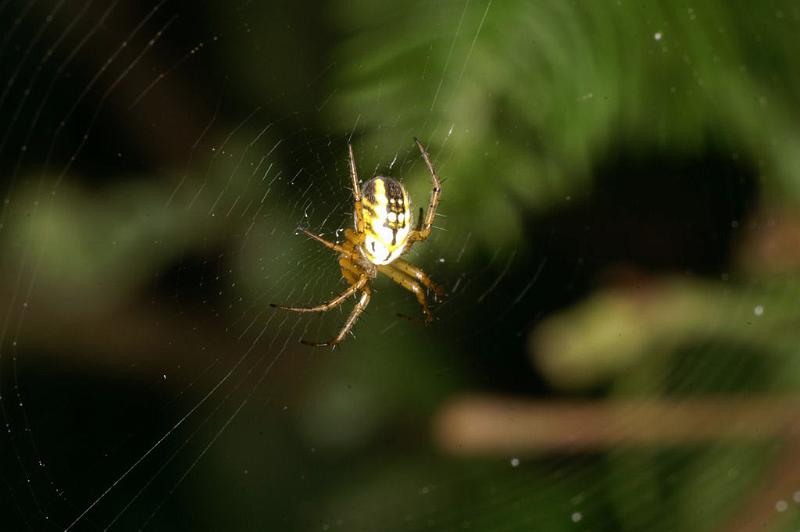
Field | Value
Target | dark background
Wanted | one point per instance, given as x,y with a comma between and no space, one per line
618,237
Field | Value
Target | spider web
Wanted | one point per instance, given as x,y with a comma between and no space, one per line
152,198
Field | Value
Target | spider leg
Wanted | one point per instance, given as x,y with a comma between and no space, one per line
357,311
353,238
356,189
417,273
354,174
329,245
425,230
350,270
409,284
338,300
420,219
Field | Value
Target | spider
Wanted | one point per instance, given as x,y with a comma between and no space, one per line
382,234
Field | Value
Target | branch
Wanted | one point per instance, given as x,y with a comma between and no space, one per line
476,425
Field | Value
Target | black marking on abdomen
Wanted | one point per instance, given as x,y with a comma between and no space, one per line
369,210
394,190
368,189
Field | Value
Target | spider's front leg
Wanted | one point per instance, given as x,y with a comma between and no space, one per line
417,273
351,320
356,278
338,300
409,284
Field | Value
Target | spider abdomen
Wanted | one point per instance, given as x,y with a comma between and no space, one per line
386,212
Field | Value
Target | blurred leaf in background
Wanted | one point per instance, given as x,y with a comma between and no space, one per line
537,94
620,246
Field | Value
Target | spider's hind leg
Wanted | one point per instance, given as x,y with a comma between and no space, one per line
424,230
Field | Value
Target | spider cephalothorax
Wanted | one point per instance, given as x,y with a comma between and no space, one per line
382,216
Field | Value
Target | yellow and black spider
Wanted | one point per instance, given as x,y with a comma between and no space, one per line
382,235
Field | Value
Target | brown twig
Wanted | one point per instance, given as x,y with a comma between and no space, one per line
495,426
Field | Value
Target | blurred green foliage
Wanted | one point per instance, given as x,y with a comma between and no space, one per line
538,93
521,103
